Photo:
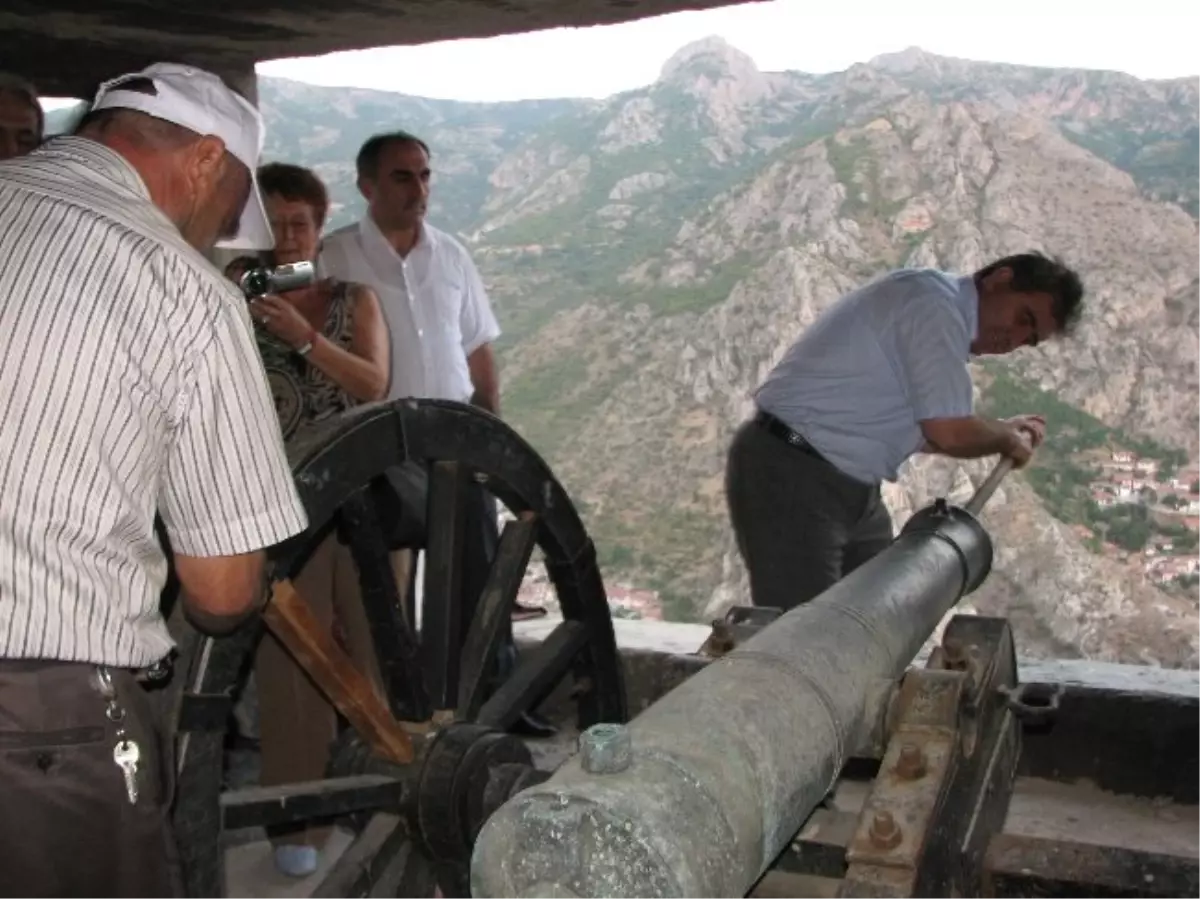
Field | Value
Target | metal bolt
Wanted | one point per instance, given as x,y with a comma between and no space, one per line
911,763
885,833
606,748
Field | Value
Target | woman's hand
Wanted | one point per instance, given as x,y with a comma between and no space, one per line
281,319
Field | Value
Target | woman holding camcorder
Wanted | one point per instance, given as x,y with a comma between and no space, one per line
324,344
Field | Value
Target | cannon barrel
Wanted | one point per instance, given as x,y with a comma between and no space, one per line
716,777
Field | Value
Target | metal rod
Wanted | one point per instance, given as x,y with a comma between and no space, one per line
976,503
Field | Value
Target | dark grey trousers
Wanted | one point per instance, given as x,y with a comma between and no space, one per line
66,825
801,524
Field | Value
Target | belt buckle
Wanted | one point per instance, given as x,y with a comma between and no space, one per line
157,672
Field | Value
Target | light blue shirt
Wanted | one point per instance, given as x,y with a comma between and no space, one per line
875,364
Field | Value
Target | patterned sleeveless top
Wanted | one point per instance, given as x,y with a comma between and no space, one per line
303,394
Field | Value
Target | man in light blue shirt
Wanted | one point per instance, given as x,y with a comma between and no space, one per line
880,375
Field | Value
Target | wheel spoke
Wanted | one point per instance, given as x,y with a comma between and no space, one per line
292,621
441,615
535,675
492,617
396,648
453,881
410,873
382,850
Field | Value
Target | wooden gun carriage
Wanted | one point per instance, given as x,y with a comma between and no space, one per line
809,744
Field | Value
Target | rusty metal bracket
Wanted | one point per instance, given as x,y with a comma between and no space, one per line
914,775
945,778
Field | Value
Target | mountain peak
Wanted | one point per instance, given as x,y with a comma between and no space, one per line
910,59
712,52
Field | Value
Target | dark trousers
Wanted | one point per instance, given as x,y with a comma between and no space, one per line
404,522
801,524
66,825
481,539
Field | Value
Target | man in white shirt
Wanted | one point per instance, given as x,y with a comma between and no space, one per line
129,383
441,323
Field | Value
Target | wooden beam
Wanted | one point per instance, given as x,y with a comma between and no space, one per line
335,674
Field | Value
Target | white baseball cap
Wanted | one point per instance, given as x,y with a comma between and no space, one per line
201,102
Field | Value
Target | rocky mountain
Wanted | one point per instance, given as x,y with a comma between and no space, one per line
668,245
327,126
651,256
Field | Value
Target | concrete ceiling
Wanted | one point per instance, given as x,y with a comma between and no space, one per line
66,46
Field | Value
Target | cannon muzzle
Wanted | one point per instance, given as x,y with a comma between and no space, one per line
719,774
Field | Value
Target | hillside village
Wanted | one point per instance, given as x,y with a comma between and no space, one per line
1171,501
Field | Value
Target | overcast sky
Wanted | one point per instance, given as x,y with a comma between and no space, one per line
1147,38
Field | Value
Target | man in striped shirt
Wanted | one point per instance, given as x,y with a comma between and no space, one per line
129,384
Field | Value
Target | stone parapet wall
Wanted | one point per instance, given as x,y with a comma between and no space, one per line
660,655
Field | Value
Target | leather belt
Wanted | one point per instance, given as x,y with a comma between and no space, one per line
777,428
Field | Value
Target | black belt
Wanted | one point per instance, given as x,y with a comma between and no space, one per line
777,428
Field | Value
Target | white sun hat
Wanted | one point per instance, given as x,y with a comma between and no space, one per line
201,102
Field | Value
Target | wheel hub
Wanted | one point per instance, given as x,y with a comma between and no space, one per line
450,801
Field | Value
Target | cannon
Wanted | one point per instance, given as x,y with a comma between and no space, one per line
738,769
815,744
415,776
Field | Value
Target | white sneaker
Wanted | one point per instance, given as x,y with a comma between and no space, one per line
297,861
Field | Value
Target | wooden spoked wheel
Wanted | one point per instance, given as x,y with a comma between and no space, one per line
420,772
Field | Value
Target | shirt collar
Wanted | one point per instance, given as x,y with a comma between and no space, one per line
377,245
968,304
96,163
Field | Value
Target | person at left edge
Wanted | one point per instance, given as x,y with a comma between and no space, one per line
129,384
22,122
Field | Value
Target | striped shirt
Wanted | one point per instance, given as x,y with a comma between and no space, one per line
129,383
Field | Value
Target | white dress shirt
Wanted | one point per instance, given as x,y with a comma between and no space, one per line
434,301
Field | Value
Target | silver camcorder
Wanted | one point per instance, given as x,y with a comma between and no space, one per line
258,282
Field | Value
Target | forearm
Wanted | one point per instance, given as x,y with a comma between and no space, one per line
220,593
212,624
487,399
359,377
970,438
485,379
